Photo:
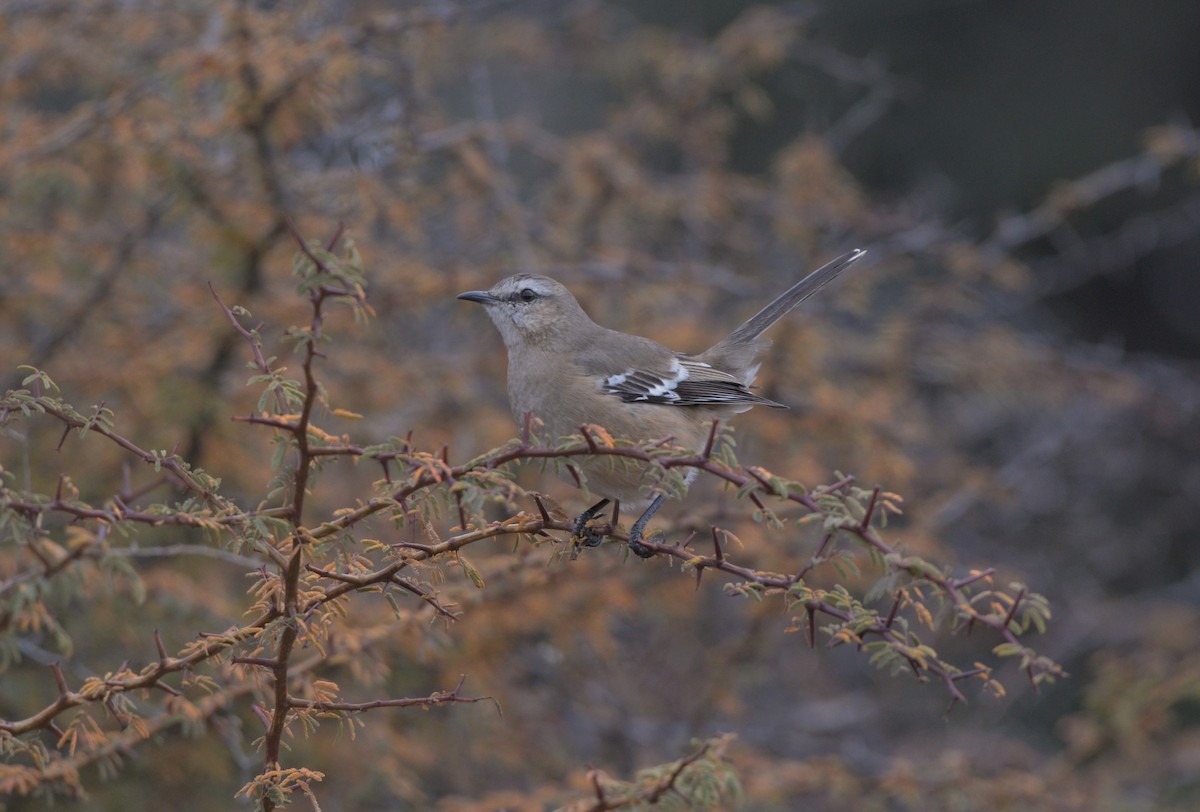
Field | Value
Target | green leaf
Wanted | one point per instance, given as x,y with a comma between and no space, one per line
36,374
1008,650
469,569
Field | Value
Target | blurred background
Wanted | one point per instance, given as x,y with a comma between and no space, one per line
1016,357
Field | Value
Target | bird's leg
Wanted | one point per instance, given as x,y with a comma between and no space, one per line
588,537
635,532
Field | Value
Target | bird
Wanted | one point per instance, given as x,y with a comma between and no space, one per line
568,371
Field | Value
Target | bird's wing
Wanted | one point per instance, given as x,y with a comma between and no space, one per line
639,370
681,381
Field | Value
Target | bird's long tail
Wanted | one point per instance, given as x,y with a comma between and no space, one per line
742,344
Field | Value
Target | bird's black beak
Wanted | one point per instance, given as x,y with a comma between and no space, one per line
481,296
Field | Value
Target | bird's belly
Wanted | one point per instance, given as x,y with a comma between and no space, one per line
632,482
554,416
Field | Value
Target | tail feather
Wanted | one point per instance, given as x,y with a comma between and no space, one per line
736,352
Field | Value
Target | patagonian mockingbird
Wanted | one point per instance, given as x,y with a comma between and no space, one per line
566,370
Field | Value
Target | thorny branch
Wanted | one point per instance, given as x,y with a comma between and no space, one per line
657,788
291,573
322,586
426,473
411,472
181,711
437,698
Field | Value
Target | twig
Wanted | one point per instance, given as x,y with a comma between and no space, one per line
436,698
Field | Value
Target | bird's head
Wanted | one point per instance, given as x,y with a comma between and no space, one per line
531,309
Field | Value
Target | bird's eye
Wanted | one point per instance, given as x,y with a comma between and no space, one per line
527,294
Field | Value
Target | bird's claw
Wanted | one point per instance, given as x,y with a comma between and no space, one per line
641,550
581,533
585,536
635,532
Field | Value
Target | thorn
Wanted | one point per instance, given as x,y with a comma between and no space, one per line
616,514
717,551
537,500
591,444
63,438
828,489
337,235
575,475
891,618
601,798
59,489
59,679
162,650
812,624
462,513
699,575
712,438
122,719
1012,610
866,519
526,428
291,224
262,715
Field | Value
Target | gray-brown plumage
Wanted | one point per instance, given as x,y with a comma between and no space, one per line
566,370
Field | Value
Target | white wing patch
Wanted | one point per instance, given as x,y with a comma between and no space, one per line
685,383
634,385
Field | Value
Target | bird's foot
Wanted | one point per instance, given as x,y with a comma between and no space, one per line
641,550
582,534
635,533
586,536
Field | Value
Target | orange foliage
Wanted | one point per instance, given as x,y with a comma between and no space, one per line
456,145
